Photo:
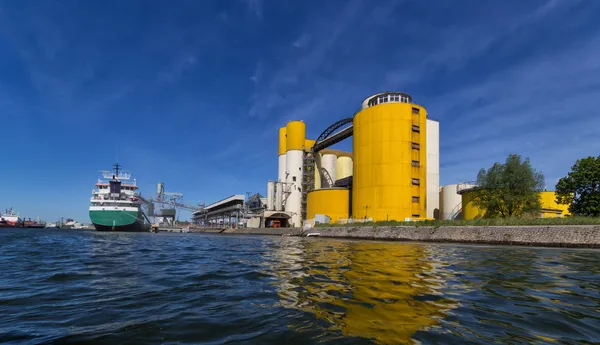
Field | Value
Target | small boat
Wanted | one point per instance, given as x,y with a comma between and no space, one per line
70,224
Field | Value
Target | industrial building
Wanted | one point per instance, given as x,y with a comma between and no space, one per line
235,210
457,203
392,172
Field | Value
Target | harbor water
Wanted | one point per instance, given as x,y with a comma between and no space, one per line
89,287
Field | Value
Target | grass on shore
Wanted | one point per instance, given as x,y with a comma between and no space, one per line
483,222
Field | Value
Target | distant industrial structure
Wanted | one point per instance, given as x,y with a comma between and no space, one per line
235,210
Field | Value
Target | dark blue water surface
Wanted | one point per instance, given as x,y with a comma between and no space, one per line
88,287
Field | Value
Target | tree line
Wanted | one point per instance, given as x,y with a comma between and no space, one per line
512,188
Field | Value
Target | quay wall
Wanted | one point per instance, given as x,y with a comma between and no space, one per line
587,236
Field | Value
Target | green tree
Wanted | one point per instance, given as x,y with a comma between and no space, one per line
510,189
580,189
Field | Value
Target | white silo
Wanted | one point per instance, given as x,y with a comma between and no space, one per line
329,166
451,205
271,196
279,196
344,167
433,168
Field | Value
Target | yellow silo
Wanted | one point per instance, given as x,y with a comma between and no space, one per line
389,147
332,202
295,135
469,210
295,141
308,144
282,140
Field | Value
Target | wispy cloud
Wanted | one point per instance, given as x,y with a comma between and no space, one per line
255,6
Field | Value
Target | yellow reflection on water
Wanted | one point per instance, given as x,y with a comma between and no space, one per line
380,291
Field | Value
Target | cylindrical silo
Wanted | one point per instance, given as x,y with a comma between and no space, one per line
344,166
309,143
279,196
332,202
282,155
296,136
389,147
451,204
328,167
433,169
270,195
317,170
469,210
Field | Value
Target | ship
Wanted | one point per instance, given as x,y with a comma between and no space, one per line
9,219
116,204
34,224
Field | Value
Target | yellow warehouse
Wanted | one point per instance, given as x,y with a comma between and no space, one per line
550,209
389,151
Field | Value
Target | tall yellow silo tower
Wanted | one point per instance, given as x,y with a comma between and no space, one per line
295,142
390,154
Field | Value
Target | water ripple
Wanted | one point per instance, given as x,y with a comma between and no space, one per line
97,288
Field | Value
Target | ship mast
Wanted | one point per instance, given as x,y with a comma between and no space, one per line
116,167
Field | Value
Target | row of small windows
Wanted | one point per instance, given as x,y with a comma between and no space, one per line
122,188
398,98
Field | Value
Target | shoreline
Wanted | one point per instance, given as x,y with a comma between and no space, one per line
568,236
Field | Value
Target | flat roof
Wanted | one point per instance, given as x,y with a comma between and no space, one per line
235,197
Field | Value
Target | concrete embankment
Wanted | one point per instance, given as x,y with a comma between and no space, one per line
208,230
549,236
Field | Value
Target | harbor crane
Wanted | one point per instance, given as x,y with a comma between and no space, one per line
169,202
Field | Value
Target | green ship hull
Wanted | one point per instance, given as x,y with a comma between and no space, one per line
118,220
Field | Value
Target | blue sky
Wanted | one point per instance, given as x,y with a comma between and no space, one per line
192,92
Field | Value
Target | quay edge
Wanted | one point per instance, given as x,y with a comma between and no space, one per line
580,236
